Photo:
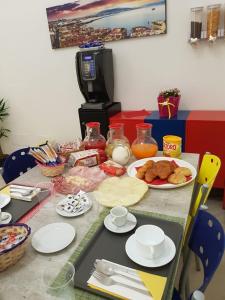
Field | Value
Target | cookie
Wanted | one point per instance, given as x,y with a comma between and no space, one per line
177,178
183,170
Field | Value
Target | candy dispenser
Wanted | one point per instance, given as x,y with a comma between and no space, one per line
196,24
213,21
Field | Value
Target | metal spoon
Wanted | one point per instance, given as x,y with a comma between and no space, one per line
106,269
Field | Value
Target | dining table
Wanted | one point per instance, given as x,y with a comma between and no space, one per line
24,279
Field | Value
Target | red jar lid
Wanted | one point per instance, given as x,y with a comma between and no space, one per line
93,124
144,125
116,125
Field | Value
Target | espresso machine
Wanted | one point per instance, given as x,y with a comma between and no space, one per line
95,77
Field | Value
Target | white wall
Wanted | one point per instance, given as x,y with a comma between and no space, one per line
41,87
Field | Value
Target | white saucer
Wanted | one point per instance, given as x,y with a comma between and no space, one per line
4,214
4,200
130,224
74,205
53,237
133,253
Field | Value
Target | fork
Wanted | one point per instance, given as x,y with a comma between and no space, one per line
107,280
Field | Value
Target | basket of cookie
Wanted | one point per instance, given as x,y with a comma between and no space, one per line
13,243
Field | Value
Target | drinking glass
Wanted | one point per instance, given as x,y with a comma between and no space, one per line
49,186
58,280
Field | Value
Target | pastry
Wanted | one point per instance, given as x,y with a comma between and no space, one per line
177,178
150,174
183,170
163,169
142,170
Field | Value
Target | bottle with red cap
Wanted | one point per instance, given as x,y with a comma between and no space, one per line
144,145
93,138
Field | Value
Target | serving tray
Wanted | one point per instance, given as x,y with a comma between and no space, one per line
111,246
19,208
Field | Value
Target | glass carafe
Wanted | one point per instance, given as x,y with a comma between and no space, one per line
144,145
117,145
94,139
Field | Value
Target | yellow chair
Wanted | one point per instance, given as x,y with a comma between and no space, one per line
209,169
206,176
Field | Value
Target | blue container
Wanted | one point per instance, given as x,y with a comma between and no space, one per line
173,126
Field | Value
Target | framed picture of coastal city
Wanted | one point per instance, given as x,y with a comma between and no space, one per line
84,21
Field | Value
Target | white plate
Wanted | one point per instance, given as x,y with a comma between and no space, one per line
131,171
80,204
53,237
130,224
4,200
133,253
3,215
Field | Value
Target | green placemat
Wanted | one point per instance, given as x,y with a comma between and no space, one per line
82,295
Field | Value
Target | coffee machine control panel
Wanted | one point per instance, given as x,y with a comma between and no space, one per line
88,68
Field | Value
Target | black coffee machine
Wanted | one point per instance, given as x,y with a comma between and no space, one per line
95,77
96,82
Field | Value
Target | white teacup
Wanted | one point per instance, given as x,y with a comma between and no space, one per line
150,241
119,215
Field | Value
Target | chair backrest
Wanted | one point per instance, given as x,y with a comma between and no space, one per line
17,163
207,174
207,241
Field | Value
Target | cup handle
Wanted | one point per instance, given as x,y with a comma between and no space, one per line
113,220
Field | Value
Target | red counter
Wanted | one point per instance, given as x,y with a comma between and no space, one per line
205,132
130,119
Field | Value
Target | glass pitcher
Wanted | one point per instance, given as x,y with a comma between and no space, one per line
116,138
144,145
94,139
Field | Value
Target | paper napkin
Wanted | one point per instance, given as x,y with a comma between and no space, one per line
154,284
5,191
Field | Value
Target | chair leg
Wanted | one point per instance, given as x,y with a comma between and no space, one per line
197,263
187,288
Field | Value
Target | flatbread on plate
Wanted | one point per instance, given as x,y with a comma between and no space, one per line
124,191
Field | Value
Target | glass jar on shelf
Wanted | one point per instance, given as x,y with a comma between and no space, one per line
213,21
144,145
117,145
196,24
93,138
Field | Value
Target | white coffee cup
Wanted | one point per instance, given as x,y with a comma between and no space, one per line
150,241
119,215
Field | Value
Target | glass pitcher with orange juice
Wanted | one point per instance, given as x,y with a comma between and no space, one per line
144,145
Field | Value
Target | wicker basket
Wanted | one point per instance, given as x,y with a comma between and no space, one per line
51,171
9,257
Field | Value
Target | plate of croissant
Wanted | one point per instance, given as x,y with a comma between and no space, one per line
163,172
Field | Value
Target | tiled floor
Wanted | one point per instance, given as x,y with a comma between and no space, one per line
216,289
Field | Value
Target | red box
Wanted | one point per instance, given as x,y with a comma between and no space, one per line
168,108
205,132
130,119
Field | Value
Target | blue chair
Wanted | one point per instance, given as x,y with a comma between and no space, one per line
207,241
17,163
